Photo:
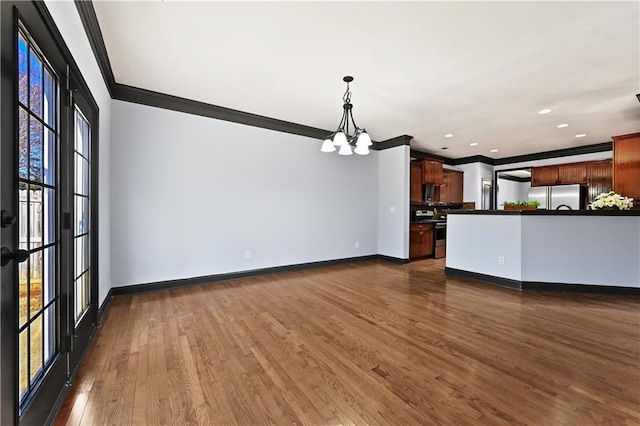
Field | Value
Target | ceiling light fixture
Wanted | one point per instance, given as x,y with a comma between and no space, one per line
494,150
545,111
448,135
581,135
562,126
341,137
473,144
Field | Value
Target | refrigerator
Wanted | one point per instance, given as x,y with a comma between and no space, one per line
558,197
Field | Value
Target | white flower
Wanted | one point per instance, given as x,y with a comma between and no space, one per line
610,200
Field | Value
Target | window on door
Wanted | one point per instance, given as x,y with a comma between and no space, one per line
37,190
81,198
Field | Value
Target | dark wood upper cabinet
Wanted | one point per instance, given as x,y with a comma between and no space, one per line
626,165
432,170
572,173
544,175
416,194
559,174
452,187
599,178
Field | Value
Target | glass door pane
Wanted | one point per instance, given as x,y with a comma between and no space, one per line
82,200
38,142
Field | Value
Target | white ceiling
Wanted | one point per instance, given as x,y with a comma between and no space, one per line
479,70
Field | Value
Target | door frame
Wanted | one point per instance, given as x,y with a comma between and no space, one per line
46,401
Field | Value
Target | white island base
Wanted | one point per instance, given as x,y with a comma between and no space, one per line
591,251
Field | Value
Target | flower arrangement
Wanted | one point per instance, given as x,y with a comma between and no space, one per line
611,201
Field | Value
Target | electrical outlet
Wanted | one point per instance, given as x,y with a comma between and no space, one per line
357,244
500,260
392,209
247,254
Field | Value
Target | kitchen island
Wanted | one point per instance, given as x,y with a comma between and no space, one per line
559,250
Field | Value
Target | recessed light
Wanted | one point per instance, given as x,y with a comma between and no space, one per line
494,150
545,111
562,126
473,144
581,135
448,135
445,147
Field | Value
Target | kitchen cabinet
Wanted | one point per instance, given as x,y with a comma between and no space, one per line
420,240
416,194
626,165
432,172
544,176
572,173
599,178
452,187
559,174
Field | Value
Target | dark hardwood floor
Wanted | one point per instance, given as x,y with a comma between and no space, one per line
362,343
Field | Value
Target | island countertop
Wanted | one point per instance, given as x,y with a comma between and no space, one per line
573,250
543,212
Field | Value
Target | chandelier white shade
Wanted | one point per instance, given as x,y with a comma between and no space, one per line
348,134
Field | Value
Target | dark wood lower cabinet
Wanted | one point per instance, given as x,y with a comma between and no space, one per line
420,241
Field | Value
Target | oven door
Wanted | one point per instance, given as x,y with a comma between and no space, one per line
440,243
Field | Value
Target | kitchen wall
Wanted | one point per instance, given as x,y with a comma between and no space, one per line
509,190
474,173
68,22
393,209
192,194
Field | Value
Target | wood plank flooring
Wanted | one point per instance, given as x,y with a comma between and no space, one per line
363,343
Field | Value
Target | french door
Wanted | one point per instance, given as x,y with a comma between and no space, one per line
48,282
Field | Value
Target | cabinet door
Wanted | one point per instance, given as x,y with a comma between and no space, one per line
432,172
415,242
572,173
445,195
626,165
543,176
416,183
427,241
599,178
456,182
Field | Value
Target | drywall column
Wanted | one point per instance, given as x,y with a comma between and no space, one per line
393,202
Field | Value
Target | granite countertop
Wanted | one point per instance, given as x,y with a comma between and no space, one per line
541,212
419,221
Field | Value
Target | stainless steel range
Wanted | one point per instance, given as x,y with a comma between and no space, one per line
440,243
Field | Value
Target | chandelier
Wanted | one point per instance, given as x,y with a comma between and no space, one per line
347,134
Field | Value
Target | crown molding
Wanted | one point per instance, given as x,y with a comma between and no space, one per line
392,143
141,96
137,95
94,34
161,100
566,152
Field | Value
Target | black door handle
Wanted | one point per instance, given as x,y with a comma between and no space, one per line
6,219
7,256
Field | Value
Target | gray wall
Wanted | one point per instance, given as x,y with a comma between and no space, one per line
509,190
393,208
581,250
192,194
474,243
68,21
474,173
